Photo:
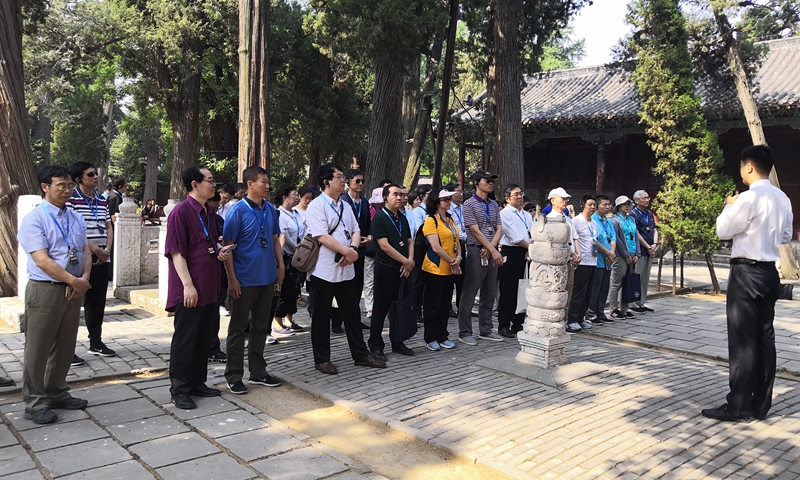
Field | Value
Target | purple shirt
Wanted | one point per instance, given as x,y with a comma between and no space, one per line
186,236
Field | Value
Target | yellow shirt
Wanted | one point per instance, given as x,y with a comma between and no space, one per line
448,236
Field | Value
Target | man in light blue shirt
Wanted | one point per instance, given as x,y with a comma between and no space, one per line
606,246
54,238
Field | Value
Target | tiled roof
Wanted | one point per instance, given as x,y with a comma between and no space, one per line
596,95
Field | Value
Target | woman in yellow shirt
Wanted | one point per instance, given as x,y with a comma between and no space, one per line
441,264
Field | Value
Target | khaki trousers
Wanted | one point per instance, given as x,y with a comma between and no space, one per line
50,334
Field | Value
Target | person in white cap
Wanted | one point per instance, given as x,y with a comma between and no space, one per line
558,206
627,254
516,238
375,205
648,240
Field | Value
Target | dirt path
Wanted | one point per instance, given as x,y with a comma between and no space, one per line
391,454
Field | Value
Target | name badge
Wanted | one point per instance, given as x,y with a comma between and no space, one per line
73,257
263,243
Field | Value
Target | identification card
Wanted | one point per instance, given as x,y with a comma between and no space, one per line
347,234
211,252
402,244
263,243
73,257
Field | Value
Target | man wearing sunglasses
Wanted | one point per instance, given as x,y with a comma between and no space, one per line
100,233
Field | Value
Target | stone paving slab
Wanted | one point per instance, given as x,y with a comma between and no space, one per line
83,457
123,412
205,407
228,423
295,465
130,470
140,431
173,449
6,437
62,434
260,443
14,459
214,467
20,424
103,395
26,475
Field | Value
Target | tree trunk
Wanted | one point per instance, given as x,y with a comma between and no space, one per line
42,131
487,158
674,272
509,106
16,162
384,154
254,27
151,172
411,104
788,263
713,273
102,170
424,112
444,107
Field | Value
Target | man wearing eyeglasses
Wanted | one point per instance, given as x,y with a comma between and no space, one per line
54,237
100,233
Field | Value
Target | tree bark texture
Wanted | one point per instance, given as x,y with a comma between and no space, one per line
487,158
151,172
108,136
42,131
254,26
507,92
712,273
788,263
16,162
424,112
384,153
444,107
411,103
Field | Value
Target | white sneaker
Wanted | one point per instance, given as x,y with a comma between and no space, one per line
271,340
223,312
282,332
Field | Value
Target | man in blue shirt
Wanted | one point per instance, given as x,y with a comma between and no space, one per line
59,267
648,239
606,246
255,270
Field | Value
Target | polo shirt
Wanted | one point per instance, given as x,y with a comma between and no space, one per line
483,213
95,213
586,232
113,201
293,228
385,225
39,231
447,231
605,235
645,224
246,224
321,216
185,235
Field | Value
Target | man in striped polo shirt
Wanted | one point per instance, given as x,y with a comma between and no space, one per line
100,232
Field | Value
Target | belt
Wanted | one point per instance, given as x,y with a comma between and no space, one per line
48,281
747,261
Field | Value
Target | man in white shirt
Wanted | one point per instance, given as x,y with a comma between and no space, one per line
334,226
516,238
585,265
457,212
558,205
758,221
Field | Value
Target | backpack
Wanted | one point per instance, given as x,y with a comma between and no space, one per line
421,243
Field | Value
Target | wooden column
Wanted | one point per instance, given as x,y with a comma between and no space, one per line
462,163
600,180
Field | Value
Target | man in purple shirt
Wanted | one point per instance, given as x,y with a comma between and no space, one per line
193,287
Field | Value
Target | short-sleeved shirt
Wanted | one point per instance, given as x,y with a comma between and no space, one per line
396,230
645,224
113,201
185,235
420,214
247,224
457,212
447,231
363,217
321,216
95,213
293,227
587,234
483,213
605,235
38,231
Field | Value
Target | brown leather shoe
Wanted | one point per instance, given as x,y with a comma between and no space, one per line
327,368
370,361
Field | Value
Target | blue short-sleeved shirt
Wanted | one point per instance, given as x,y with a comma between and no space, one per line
605,235
38,231
254,265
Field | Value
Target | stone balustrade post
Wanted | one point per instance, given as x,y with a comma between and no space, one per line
163,261
127,245
25,205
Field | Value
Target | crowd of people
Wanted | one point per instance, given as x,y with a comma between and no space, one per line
231,252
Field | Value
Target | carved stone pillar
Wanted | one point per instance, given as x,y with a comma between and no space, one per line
25,205
163,262
127,245
543,336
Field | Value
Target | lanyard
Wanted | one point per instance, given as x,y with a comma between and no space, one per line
261,221
205,229
338,214
356,209
450,227
92,207
627,228
397,225
521,217
64,234
460,215
589,226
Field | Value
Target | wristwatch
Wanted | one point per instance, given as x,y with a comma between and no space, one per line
355,249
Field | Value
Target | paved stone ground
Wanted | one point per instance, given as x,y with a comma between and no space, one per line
640,418
132,431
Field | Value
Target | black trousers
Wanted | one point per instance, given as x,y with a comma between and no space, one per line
188,353
290,290
511,273
752,293
581,292
215,345
438,295
460,278
418,288
94,304
347,295
600,285
336,314
388,279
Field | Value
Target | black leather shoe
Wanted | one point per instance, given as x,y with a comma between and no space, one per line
203,390
364,326
337,330
453,314
183,401
72,403
6,382
327,368
370,361
379,355
402,350
722,414
506,332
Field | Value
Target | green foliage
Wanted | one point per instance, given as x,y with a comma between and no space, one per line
688,155
769,19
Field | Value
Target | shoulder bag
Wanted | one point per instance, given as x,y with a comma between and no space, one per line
307,253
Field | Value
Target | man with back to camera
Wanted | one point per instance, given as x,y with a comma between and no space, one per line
59,268
193,287
254,270
100,233
647,234
334,226
116,196
758,221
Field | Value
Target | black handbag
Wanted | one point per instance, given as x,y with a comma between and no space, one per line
631,287
402,319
